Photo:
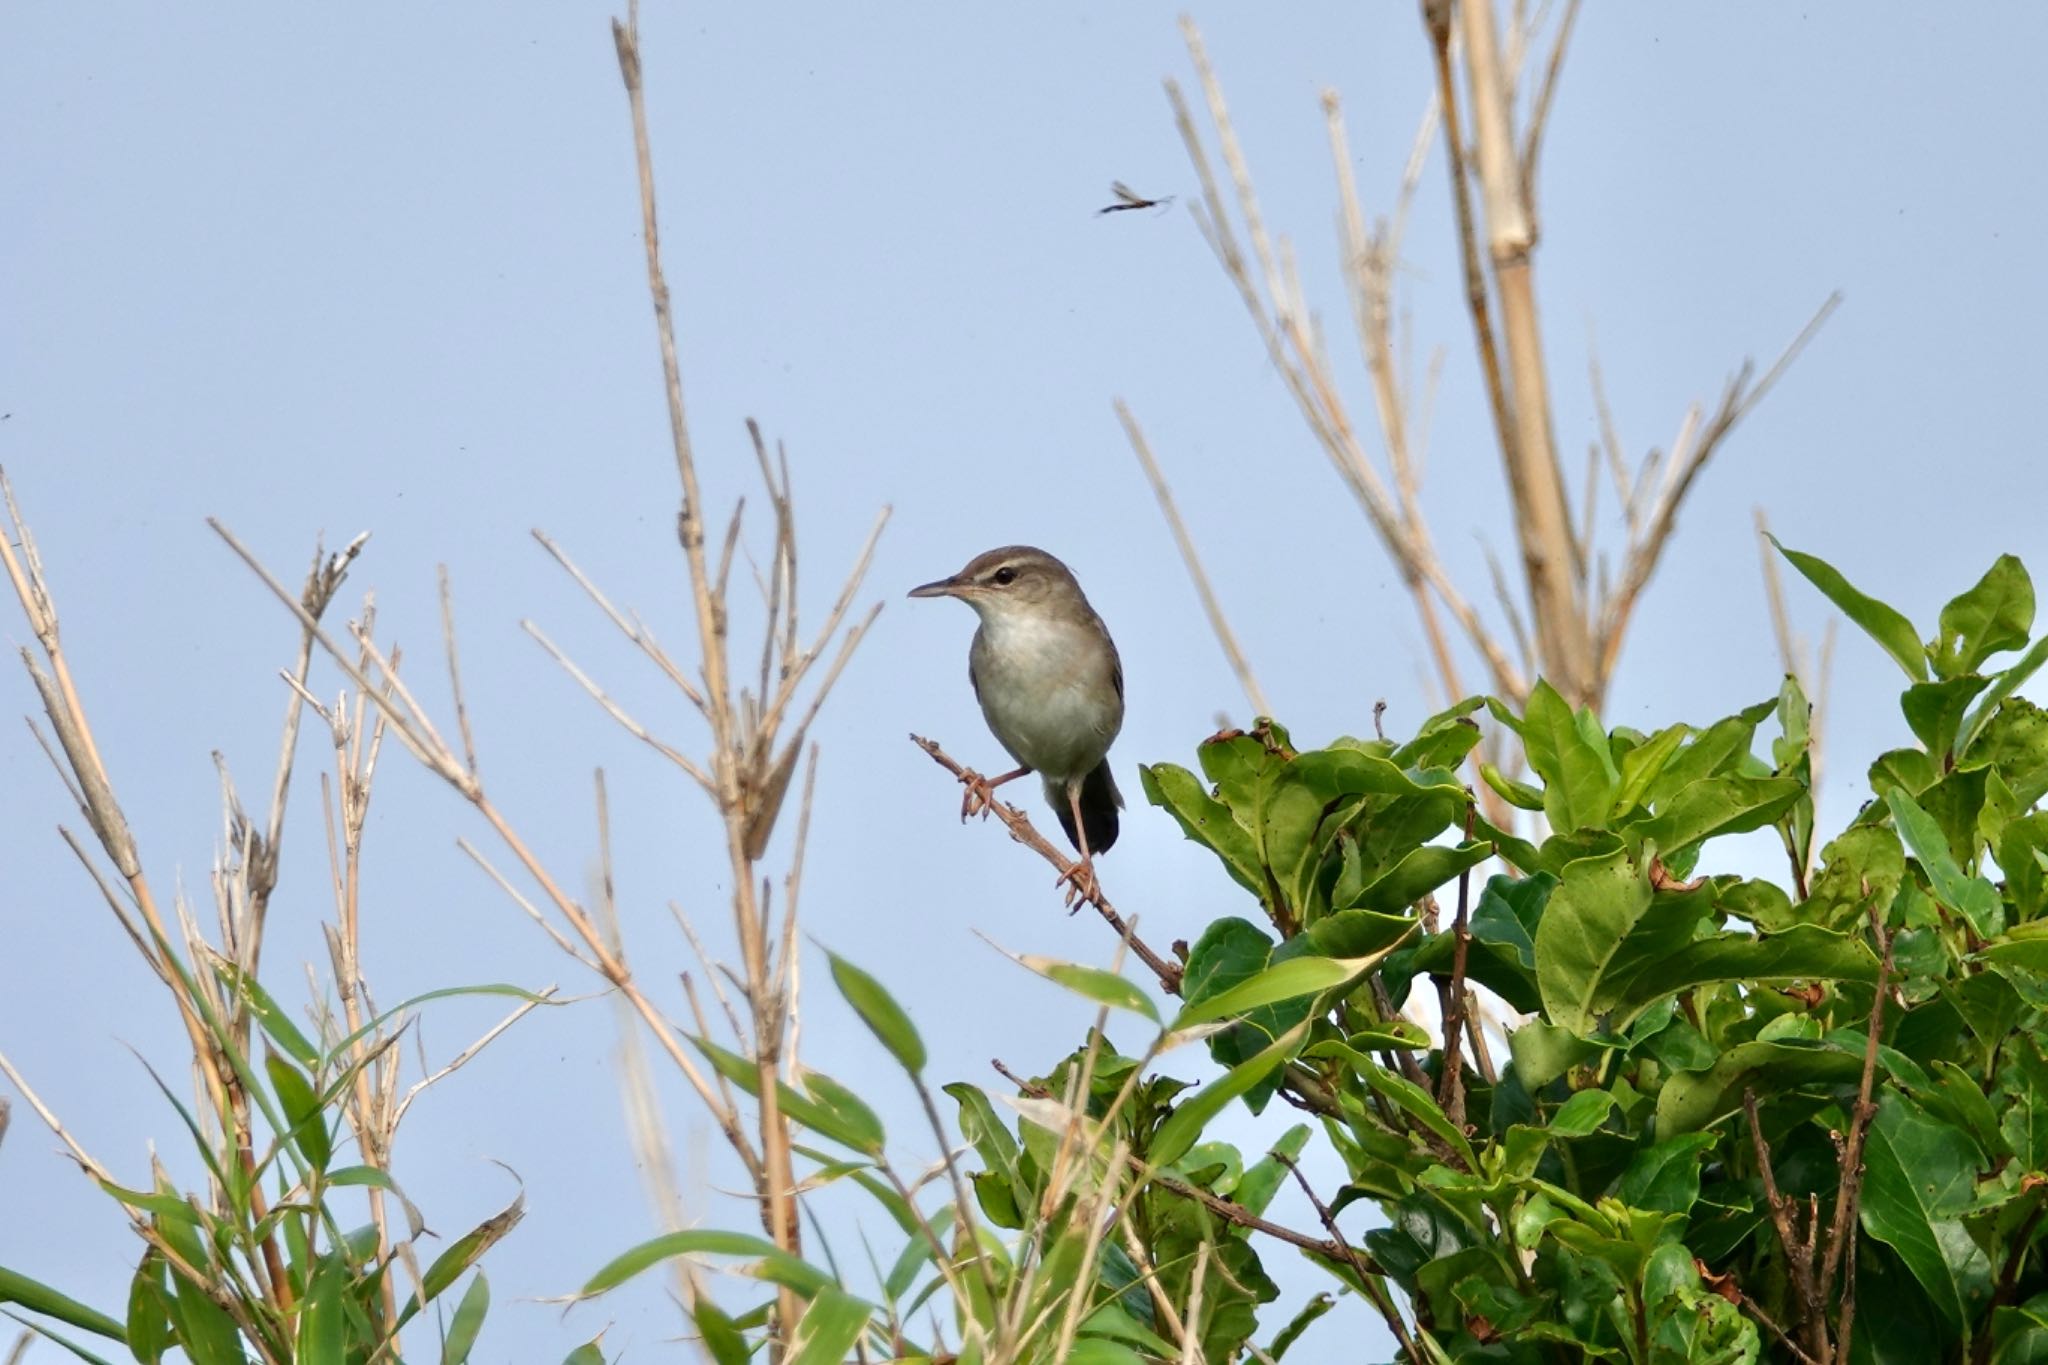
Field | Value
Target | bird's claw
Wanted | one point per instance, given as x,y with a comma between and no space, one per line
1079,886
979,798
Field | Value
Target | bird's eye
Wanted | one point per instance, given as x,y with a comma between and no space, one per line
1005,576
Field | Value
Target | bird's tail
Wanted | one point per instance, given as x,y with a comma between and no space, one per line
1100,801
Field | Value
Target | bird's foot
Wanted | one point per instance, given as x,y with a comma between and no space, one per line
979,798
1079,886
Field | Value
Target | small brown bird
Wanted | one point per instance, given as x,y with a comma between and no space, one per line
1050,686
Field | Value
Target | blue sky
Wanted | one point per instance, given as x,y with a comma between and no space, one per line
326,271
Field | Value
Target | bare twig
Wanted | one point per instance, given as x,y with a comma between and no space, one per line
1021,829
1812,1320
1689,456
1367,1273
1225,637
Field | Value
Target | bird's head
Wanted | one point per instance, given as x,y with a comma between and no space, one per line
1013,580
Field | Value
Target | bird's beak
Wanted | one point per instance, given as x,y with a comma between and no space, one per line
945,587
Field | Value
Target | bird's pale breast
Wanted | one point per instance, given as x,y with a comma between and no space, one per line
1047,692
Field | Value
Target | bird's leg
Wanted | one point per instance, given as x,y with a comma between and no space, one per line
981,791
1079,880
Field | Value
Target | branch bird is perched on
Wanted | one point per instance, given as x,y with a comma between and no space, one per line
1051,688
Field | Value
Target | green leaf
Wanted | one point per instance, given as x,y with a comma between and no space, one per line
825,1334
768,1261
1864,866
590,1352
1581,1115
1973,897
37,1297
720,1337
880,1012
1317,1305
1991,617
1591,914
849,1111
1805,952
1665,1178
1420,872
857,1129
149,1310
1543,1052
467,1322
1641,766
1919,1178
2002,687
2015,745
1183,1127
1358,933
352,1176
302,1110
1287,980
1691,1100
1718,805
1882,623
1263,1178
1520,795
1935,709
1093,983
1405,1095
275,1021
461,1254
1573,760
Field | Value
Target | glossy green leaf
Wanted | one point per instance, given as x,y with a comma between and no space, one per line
1286,980
880,1012
1185,1125
2002,686
1596,905
1919,1178
1582,1114
1805,952
1093,983
1420,872
1935,710
1884,624
1718,805
1993,616
1973,897
1578,772
1665,1178
1692,1100
1520,795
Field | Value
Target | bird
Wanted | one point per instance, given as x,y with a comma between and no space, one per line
1051,688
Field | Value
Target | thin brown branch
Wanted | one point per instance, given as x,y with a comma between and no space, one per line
1213,608
1451,1090
1368,1274
1687,459
1024,832
1812,1320
1842,1234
